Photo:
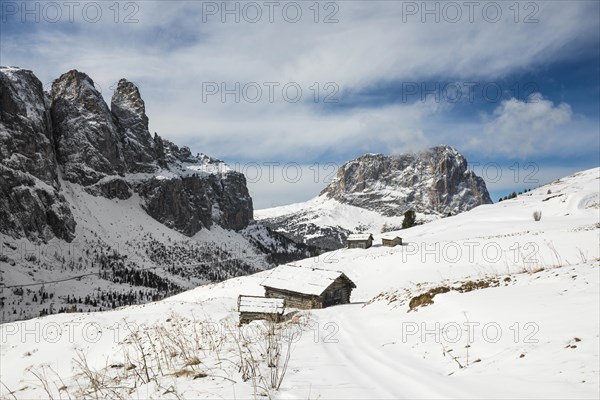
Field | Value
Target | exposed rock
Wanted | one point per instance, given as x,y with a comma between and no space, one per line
174,154
31,205
235,203
111,188
434,181
88,145
159,150
300,229
29,208
129,112
190,203
26,141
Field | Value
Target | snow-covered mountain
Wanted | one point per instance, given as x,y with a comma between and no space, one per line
86,190
372,193
489,303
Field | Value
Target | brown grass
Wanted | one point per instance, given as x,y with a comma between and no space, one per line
426,298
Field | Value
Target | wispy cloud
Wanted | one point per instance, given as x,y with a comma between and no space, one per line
523,128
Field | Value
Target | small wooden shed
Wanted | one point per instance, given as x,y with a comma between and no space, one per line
308,288
391,241
257,307
359,241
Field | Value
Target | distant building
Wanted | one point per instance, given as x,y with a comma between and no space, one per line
359,241
391,241
256,307
308,288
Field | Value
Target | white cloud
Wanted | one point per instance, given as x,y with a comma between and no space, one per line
522,128
296,132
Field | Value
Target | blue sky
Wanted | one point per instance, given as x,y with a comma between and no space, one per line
375,62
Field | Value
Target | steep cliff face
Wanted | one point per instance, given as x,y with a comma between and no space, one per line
194,202
129,112
26,140
109,152
87,141
435,181
31,204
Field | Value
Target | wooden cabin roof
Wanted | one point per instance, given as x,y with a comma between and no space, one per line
311,281
359,237
256,304
390,237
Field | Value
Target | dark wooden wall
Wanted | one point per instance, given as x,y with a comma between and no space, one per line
363,244
307,302
293,299
391,243
343,289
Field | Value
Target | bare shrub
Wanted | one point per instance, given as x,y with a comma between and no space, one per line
180,348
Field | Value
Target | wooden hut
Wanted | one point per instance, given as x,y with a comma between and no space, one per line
257,307
308,288
359,241
391,240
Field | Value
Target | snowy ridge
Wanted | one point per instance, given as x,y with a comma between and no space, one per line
326,222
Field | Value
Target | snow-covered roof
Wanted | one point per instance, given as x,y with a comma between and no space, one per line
391,237
311,281
257,304
359,236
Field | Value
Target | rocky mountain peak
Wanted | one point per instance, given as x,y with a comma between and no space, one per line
76,86
129,112
88,142
127,97
109,152
31,204
434,181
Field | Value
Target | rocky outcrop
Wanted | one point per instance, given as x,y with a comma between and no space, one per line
195,202
111,188
129,113
75,136
30,202
435,181
87,141
26,140
29,208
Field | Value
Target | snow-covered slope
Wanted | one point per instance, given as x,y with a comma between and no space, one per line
372,193
486,304
127,257
325,222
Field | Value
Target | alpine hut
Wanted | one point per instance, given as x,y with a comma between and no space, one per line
391,240
308,288
359,240
257,307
